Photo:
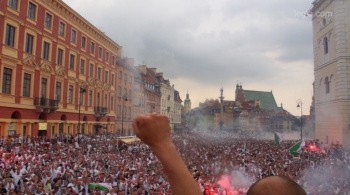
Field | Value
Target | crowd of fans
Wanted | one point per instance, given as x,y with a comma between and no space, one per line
220,164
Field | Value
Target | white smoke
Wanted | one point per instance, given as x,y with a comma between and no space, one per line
330,178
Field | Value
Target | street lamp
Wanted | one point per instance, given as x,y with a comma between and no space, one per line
81,91
300,105
124,99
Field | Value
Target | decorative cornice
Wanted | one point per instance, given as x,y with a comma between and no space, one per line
106,87
60,71
46,67
99,84
30,62
91,82
83,84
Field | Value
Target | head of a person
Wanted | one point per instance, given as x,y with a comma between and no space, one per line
274,185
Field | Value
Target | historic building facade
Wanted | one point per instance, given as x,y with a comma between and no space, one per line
151,89
187,103
177,111
59,73
331,28
167,102
258,111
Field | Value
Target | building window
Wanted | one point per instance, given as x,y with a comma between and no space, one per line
73,36
59,56
46,50
26,84
99,70
83,42
98,99
106,76
32,11
100,52
90,98
48,21
61,29
325,45
13,4
70,94
107,57
112,103
92,48
327,82
81,96
6,81
112,79
43,87
71,61
10,35
29,43
91,72
106,101
58,91
82,66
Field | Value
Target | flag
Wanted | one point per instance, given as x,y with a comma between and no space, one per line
277,139
295,149
100,186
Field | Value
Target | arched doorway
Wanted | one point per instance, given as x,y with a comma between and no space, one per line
14,125
61,125
97,126
42,125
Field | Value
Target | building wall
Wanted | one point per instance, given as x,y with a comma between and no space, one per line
167,103
124,100
332,109
99,81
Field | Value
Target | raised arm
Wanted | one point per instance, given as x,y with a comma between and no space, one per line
154,130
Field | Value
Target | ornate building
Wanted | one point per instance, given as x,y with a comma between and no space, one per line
257,110
167,98
151,89
59,73
250,111
177,119
187,103
331,28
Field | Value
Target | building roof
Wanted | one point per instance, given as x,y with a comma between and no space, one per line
267,100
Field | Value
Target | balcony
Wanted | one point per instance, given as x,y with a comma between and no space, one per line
45,105
100,111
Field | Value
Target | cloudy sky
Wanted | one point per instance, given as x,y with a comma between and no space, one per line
203,45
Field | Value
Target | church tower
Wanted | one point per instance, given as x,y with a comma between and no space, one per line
331,40
187,103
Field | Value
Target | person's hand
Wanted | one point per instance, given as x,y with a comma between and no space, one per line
153,130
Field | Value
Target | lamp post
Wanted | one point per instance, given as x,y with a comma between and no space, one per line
81,91
124,99
300,105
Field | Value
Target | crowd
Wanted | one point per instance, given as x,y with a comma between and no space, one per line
220,164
